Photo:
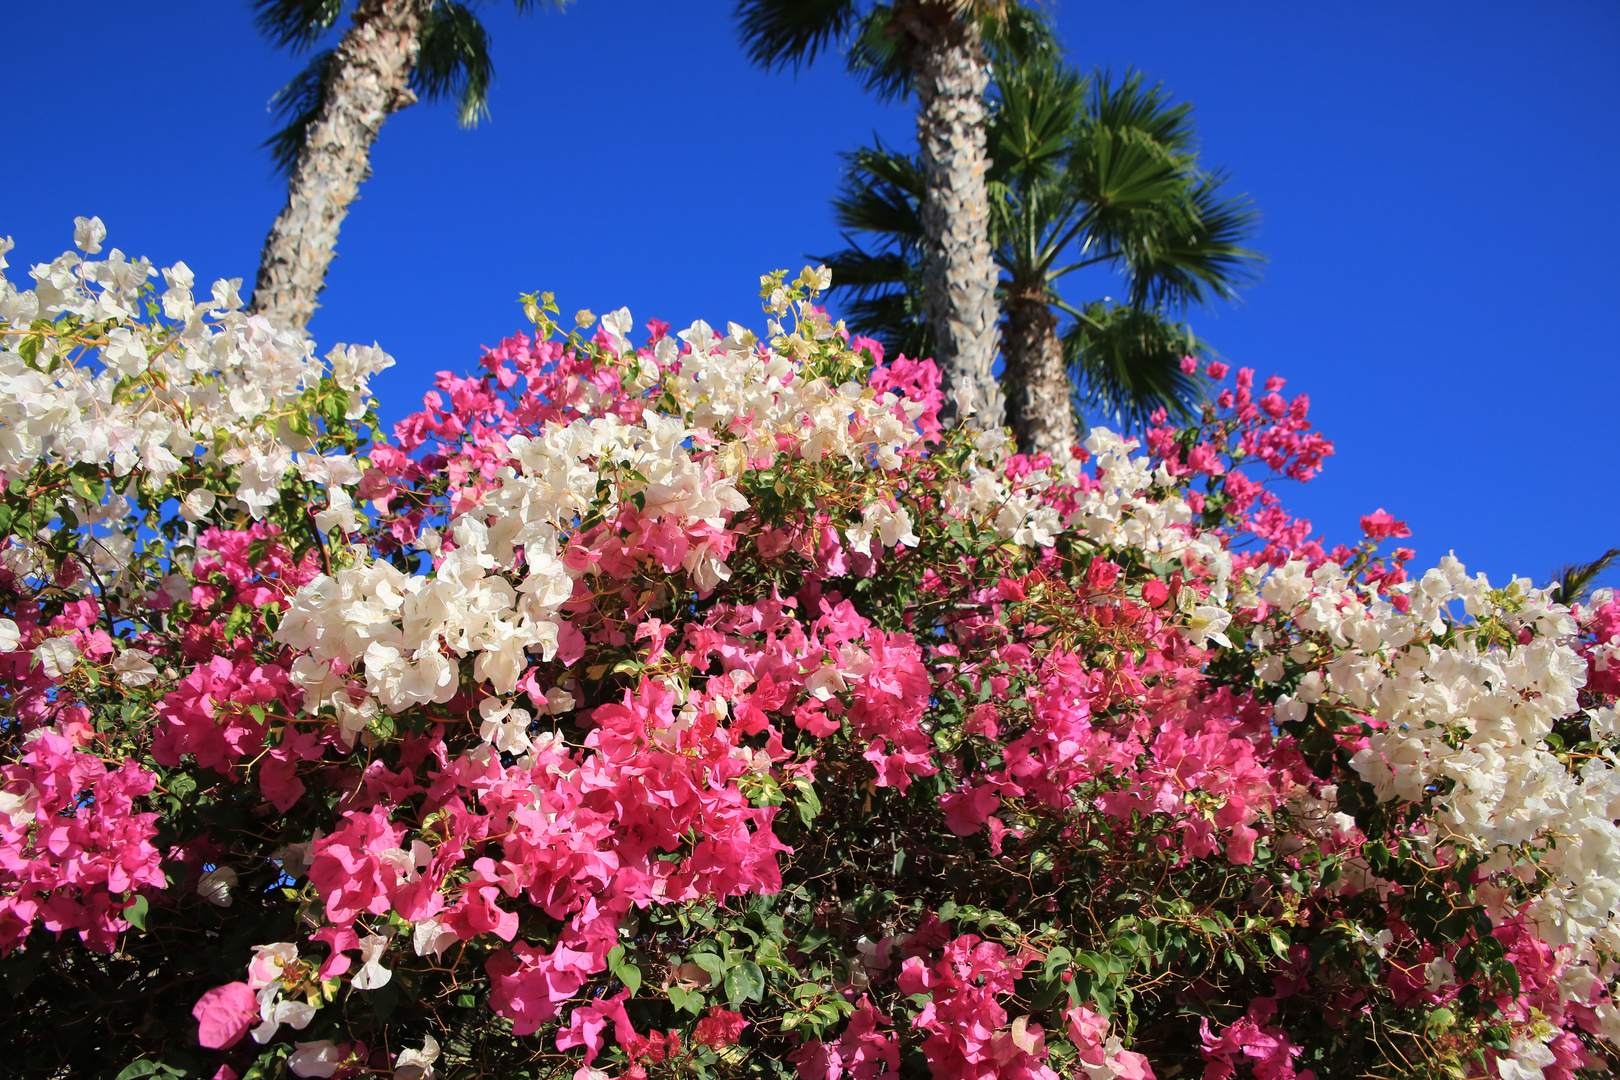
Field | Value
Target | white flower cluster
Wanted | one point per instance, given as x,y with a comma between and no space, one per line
409,632
1465,711
1116,503
143,395
726,384
1465,707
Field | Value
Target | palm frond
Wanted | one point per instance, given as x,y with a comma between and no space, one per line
1016,34
298,103
1126,363
781,33
874,57
1037,109
1122,174
1196,254
881,194
880,294
879,289
1574,581
454,61
1089,172
858,270
1130,105
297,24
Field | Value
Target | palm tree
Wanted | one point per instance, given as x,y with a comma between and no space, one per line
938,49
394,53
1080,176
1573,584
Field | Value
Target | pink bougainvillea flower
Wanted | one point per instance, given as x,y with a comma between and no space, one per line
224,1015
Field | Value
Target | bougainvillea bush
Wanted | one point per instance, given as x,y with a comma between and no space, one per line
695,705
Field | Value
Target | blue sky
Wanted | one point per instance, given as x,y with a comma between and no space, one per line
1439,184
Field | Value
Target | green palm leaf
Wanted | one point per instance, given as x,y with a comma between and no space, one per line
1574,582
1131,106
1097,172
881,195
454,62
783,33
296,24
1197,255
1012,33
298,103
1125,363
883,296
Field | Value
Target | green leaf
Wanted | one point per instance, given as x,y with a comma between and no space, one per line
809,803
134,1069
302,424
335,407
240,617
135,914
1508,973
709,962
1095,961
268,1064
807,991
745,982
686,1000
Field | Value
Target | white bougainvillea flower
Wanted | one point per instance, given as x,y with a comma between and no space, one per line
215,886
618,324
268,962
340,512
197,504
372,975
321,1058
88,233
134,667
1208,623
274,1011
20,807
429,937
56,656
503,727
418,1064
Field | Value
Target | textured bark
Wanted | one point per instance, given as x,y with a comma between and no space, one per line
1037,381
369,79
959,272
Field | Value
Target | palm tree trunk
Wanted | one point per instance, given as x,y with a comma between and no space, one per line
1037,380
959,272
369,78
